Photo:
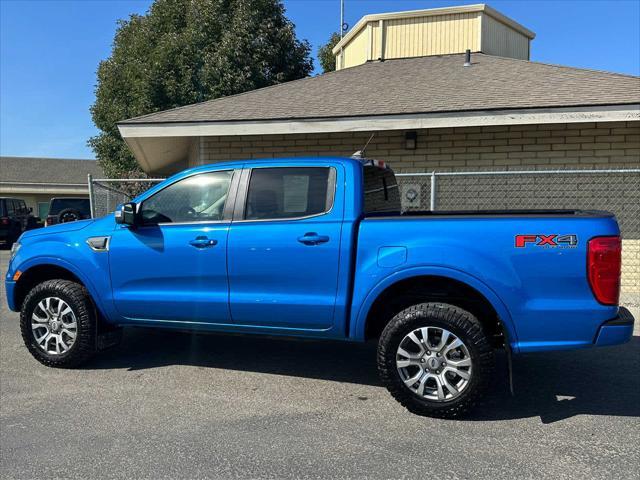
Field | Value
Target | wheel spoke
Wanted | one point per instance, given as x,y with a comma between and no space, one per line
45,340
65,347
70,333
443,340
462,373
43,309
410,381
404,353
445,381
41,338
38,319
464,362
423,382
67,310
453,345
412,336
439,389
407,363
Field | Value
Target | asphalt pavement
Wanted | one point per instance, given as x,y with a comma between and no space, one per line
179,405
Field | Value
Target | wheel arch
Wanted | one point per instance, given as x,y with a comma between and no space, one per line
420,284
45,269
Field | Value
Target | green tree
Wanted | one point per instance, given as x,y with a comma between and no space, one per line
189,51
326,57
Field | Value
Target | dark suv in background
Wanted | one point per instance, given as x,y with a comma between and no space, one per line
15,218
62,210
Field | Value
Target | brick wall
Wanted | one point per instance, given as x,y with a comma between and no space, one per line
584,145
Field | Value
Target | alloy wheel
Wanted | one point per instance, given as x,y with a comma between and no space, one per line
54,326
434,363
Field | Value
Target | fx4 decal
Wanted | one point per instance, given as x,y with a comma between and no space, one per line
554,240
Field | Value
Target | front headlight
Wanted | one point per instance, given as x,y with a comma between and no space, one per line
14,249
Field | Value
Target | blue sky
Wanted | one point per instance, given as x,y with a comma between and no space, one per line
49,51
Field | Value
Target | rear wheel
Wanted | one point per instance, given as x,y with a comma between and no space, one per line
435,359
58,323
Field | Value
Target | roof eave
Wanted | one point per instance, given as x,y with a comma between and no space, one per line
157,145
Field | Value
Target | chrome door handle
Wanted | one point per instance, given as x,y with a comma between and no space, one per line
312,238
203,242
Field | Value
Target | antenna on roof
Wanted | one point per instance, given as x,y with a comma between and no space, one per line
360,153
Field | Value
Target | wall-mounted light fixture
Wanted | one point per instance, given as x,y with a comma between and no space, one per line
410,139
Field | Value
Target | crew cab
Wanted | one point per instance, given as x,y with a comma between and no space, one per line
320,248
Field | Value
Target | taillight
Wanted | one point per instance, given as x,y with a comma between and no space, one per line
49,221
604,259
4,221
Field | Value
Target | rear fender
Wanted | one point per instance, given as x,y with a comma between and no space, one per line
357,329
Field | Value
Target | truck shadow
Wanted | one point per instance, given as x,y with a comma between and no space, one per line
553,386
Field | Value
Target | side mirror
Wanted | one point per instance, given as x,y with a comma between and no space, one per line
126,214
30,209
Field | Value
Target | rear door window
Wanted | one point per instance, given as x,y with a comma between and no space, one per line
289,192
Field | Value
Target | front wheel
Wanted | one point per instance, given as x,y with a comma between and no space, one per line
435,359
58,323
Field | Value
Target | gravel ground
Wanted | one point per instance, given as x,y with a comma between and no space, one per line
175,405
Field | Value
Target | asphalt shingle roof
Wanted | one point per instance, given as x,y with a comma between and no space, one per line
416,85
47,170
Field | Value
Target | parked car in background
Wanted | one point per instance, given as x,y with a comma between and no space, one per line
320,248
63,210
15,218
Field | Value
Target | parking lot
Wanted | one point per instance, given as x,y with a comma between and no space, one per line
176,405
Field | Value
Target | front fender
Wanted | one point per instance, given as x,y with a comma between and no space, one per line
357,328
91,268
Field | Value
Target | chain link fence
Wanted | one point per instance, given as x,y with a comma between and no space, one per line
105,194
617,191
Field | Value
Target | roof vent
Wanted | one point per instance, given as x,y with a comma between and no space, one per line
467,58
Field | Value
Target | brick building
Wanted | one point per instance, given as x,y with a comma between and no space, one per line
404,77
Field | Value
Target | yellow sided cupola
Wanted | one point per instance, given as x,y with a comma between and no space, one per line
436,31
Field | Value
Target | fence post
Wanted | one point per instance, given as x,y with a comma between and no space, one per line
92,203
432,204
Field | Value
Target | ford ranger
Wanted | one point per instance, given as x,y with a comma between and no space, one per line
320,248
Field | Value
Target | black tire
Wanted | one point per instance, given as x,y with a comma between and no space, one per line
69,215
459,322
77,297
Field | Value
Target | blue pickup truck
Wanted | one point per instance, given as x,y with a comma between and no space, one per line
320,248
